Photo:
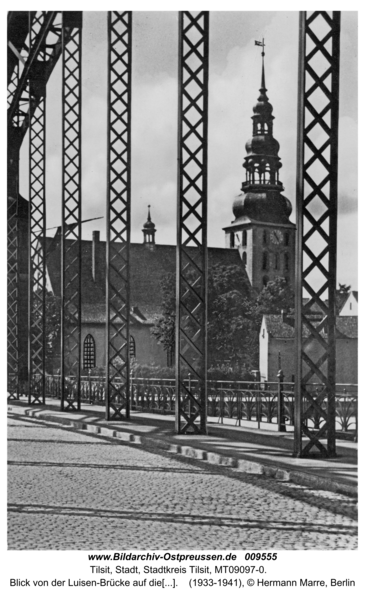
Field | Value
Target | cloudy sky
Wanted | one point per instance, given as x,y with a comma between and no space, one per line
234,79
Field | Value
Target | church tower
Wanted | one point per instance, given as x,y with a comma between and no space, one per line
262,231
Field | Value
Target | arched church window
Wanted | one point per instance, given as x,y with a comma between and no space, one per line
132,347
265,261
232,239
286,261
244,258
264,237
89,352
265,280
276,261
287,238
244,238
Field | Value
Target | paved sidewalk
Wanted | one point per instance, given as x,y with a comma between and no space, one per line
264,452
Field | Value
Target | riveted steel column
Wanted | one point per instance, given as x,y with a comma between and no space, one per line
191,296
118,215
71,212
37,222
13,257
317,173
13,270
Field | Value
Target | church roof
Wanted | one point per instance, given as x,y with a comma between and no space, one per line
148,267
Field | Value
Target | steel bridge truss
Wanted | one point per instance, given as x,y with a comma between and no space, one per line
37,219
319,55
71,212
118,215
191,297
33,50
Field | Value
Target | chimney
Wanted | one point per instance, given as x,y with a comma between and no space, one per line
95,254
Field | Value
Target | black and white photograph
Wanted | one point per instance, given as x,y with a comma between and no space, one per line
182,298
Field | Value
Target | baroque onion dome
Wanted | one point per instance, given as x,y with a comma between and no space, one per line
149,224
261,198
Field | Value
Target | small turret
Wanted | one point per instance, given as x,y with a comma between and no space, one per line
149,230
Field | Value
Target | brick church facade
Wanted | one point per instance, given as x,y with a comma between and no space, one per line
149,264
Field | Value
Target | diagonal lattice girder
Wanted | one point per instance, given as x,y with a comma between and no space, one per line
12,284
317,171
33,50
37,220
118,215
71,212
191,307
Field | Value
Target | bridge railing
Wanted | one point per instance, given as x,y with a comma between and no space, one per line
228,401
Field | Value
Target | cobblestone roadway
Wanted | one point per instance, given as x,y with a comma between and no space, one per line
69,490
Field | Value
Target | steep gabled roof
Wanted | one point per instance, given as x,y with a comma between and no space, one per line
148,267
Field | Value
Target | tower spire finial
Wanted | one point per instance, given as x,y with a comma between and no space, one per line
149,213
262,44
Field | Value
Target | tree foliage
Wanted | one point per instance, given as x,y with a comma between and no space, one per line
275,297
232,320
234,316
343,288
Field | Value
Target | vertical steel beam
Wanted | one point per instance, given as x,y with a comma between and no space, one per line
118,215
13,240
71,211
317,174
191,275
37,222
13,269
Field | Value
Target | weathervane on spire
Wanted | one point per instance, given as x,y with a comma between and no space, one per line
262,44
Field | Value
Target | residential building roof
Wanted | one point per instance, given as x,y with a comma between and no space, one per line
278,327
